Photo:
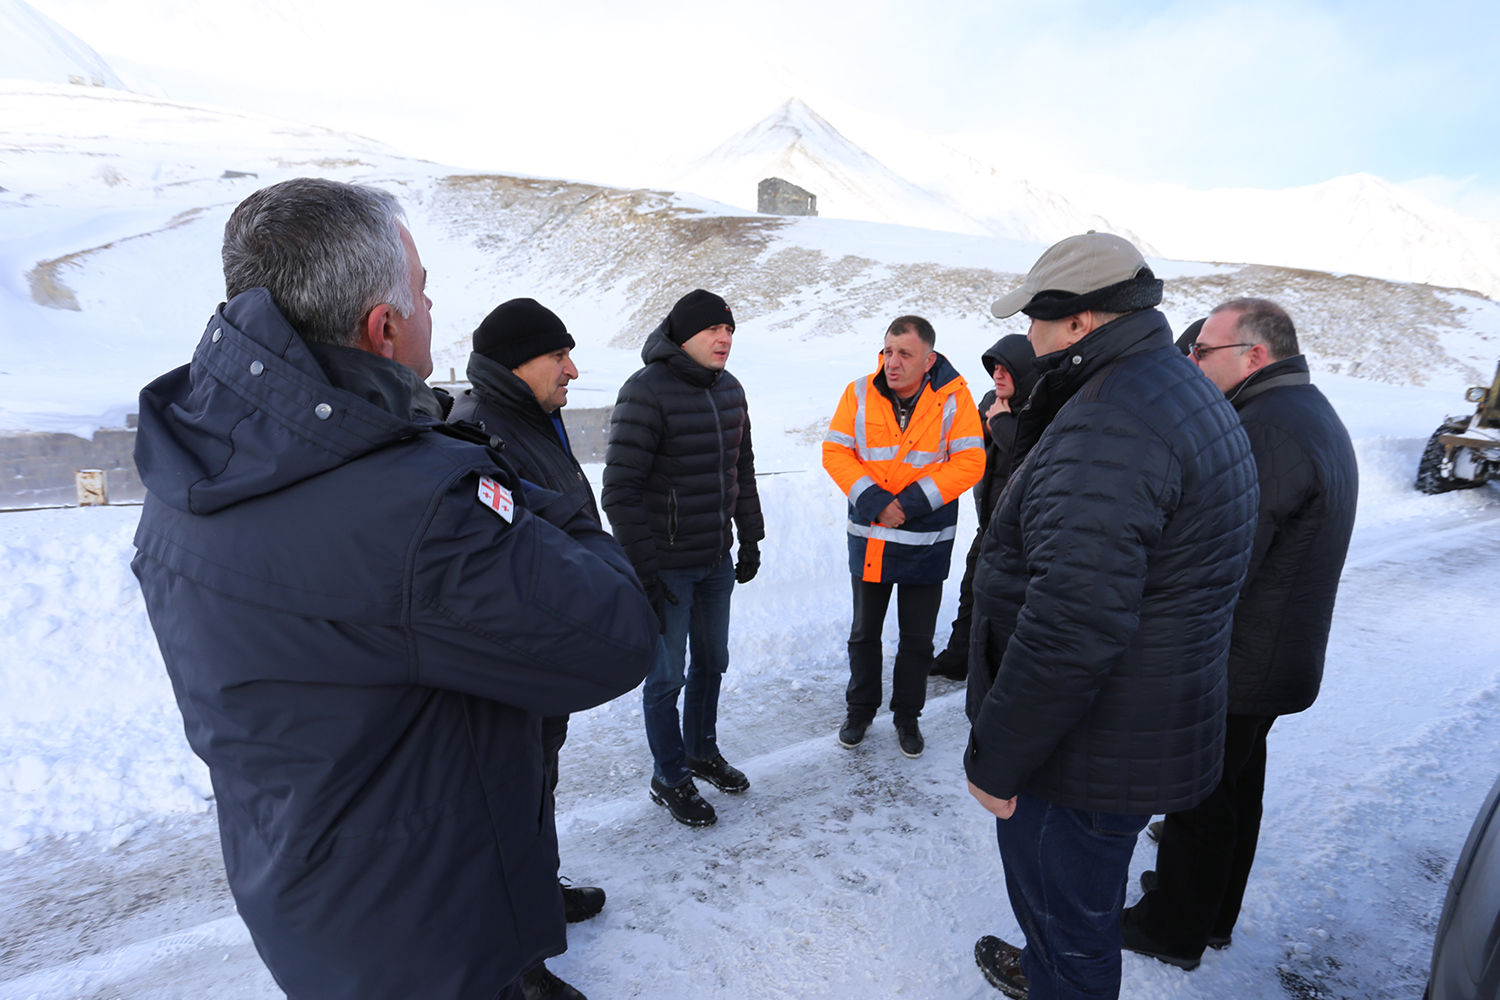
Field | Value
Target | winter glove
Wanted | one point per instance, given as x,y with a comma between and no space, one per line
748,563
660,596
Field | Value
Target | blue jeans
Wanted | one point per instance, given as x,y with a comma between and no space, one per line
700,621
1065,871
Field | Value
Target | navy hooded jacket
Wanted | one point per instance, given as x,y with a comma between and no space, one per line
362,651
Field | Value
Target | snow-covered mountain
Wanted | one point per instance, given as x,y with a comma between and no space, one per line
872,170
35,47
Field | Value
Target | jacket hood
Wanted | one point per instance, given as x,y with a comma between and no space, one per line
257,410
659,347
1015,353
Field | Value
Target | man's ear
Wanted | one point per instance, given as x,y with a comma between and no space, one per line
931,360
378,335
1260,356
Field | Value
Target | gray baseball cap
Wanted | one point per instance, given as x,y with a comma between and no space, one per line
1078,265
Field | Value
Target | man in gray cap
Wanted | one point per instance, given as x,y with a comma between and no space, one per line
1103,602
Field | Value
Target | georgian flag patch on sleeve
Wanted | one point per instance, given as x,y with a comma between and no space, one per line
497,498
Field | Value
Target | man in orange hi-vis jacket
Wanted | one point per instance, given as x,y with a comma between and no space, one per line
904,444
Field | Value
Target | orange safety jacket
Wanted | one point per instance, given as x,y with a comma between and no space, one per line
927,467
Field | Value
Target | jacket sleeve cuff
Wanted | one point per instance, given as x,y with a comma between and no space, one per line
981,769
869,502
921,497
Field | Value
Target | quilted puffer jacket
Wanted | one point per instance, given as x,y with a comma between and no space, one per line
1106,584
679,469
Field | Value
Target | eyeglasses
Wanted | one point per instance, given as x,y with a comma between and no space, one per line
1197,350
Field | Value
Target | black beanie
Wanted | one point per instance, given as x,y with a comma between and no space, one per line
1140,292
519,330
695,312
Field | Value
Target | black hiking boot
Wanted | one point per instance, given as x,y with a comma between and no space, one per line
1001,965
1134,938
718,772
853,733
540,984
684,802
910,738
581,902
1154,831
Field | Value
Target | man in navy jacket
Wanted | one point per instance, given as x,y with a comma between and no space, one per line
1309,483
1102,610
365,618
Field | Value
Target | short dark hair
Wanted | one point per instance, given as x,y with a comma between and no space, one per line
328,253
1264,322
913,324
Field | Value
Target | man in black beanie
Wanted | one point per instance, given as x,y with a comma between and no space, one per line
1103,602
520,370
678,473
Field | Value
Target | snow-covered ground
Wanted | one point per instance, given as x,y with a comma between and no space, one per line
840,872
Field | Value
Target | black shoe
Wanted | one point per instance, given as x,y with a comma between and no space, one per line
950,665
539,984
1001,965
853,733
718,772
1154,831
580,902
686,805
1218,942
910,738
1133,938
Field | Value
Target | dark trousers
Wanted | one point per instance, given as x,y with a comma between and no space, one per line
1065,872
1206,852
955,658
916,614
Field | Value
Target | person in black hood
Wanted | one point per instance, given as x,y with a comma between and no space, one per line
1309,486
1010,362
331,572
519,374
679,484
1103,601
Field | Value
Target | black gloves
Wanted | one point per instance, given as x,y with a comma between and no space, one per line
659,596
748,563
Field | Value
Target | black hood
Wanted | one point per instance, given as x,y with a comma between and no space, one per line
257,410
1015,353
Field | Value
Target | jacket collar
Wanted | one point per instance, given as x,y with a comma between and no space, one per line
502,387
1287,371
256,410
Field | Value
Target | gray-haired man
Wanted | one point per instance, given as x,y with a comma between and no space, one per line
330,572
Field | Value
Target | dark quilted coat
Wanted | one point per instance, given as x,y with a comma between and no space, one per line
503,404
1309,483
362,653
1105,590
679,468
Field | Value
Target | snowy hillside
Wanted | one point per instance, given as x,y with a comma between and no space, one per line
115,202
871,169
35,47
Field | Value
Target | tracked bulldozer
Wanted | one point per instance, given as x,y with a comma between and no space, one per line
1465,451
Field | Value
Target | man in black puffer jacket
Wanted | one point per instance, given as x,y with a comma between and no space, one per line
1309,484
1103,604
1011,363
679,483
365,616
519,373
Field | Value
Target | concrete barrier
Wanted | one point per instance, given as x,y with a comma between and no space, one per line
37,469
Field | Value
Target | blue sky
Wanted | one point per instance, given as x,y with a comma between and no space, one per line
1206,94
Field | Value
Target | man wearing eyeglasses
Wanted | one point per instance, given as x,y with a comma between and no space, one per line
1103,601
1308,487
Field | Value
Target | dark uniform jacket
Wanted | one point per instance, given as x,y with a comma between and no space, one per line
1309,483
679,469
1105,590
536,443
362,651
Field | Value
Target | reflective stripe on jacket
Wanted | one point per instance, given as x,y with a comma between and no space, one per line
927,467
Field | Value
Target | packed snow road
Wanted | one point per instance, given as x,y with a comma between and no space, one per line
840,873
